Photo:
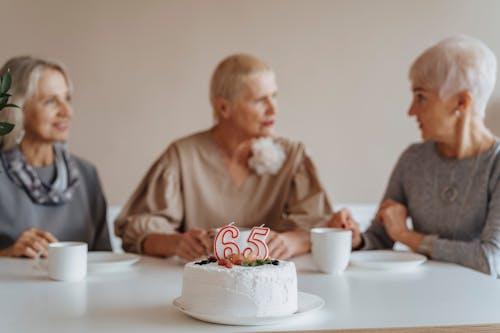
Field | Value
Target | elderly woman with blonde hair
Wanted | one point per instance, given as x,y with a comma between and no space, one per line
449,184
46,193
235,171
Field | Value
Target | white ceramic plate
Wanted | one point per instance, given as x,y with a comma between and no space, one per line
307,303
386,259
109,261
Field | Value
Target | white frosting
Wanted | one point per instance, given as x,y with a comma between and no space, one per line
261,291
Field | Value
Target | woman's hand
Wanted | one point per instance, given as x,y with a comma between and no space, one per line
30,243
191,244
393,216
288,244
343,219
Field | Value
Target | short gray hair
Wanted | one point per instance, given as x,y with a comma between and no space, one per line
457,64
230,74
26,72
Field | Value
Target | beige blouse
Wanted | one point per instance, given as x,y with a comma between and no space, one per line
189,186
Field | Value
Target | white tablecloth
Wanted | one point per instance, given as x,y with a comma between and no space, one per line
140,299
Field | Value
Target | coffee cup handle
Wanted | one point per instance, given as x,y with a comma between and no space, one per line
38,260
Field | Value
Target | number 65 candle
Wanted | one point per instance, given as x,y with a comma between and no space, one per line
225,245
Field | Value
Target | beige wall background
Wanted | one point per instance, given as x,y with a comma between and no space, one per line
141,71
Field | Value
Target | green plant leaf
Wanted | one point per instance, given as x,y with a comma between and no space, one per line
11,106
8,106
5,94
3,100
5,128
6,81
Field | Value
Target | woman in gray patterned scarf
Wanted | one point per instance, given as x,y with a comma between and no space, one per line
46,194
449,184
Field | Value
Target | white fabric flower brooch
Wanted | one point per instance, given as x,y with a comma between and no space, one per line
267,156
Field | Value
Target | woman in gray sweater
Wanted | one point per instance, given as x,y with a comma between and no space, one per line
449,184
46,194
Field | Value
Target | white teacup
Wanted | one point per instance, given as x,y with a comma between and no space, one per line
331,249
67,261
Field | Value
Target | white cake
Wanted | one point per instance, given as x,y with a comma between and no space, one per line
261,291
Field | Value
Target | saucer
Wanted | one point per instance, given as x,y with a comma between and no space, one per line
102,261
387,259
307,303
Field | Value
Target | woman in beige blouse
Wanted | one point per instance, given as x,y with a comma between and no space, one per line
224,174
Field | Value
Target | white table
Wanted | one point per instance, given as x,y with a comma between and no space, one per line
140,299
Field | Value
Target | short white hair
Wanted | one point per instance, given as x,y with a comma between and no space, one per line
230,74
457,64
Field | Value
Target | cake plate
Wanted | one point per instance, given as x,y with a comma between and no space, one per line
307,303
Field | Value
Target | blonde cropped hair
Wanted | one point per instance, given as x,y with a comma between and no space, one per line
230,74
457,64
26,72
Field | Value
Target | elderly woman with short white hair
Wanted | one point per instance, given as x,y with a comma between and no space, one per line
238,170
449,184
46,193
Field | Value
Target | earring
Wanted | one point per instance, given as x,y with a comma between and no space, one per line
457,113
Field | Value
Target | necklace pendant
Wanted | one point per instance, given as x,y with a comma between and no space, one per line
449,193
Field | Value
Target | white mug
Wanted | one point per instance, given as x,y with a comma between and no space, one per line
331,249
67,261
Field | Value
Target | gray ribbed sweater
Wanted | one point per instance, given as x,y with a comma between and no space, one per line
468,226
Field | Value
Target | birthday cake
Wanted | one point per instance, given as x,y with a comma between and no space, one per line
262,288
